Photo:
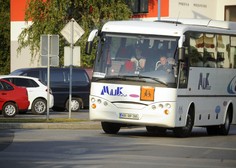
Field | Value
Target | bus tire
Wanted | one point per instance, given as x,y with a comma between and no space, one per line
224,128
110,128
186,130
221,129
155,130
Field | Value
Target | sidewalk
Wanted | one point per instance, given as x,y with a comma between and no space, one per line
85,123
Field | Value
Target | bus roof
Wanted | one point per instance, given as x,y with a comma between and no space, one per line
170,27
206,23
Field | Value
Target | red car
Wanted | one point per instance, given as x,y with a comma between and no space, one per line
12,99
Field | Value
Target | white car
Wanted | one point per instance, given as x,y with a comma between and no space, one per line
37,92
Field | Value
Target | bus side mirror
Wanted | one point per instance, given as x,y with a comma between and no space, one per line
181,53
88,49
89,43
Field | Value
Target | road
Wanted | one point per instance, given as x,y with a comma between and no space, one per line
133,148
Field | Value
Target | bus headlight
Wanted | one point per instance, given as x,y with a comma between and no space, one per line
99,101
93,106
166,111
160,106
167,105
93,100
154,107
105,103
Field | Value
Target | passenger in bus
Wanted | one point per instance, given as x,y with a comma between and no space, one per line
138,59
164,65
123,51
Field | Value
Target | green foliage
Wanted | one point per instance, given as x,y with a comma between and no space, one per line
5,36
49,17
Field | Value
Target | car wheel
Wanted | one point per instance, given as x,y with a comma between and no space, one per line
9,109
39,106
75,104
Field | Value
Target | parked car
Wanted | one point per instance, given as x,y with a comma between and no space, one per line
59,83
37,92
12,99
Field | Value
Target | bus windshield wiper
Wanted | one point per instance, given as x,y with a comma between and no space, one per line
132,78
119,77
152,78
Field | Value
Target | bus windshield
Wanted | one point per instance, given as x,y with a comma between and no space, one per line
137,57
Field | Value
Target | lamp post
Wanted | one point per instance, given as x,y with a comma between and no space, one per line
159,9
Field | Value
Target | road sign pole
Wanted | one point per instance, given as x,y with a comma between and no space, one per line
71,62
72,32
48,78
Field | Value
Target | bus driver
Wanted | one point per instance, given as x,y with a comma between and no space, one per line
163,65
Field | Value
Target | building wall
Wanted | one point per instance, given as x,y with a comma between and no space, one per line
220,14
23,59
199,9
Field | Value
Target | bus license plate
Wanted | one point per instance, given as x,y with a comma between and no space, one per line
129,116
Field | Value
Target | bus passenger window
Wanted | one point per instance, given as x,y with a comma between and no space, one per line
232,52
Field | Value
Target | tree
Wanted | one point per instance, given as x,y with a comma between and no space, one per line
5,37
49,17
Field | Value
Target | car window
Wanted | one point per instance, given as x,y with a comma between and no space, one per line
79,76
8,79
21,82
7,86
25,82
1,86
57,76
32,73
33,83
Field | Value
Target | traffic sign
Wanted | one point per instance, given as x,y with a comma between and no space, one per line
49,44
72,29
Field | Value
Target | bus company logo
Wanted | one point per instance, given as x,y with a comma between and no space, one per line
232,86
203,82
113,92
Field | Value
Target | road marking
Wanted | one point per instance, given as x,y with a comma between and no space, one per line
199,147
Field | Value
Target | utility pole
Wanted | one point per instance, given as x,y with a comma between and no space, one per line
159,9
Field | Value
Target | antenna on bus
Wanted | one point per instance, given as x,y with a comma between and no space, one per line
209,22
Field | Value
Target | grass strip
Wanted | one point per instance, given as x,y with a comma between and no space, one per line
30,120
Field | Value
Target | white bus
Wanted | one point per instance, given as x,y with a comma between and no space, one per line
196,88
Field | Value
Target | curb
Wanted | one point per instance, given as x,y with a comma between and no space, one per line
77,125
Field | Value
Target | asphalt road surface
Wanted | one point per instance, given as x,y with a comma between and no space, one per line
133,148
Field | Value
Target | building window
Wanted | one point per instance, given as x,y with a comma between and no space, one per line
138,6
230,14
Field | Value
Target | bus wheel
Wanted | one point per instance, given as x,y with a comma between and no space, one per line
110,128
155,130
186,130
224,128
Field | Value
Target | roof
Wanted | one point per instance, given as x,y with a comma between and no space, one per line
17,76
206,23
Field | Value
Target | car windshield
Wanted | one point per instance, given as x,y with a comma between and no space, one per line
141,57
